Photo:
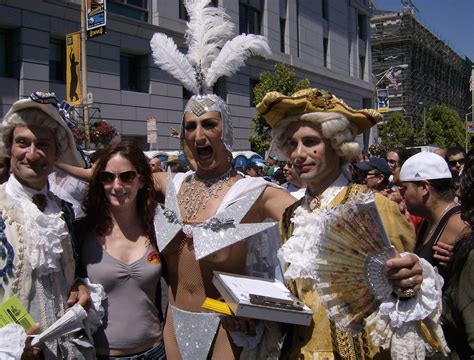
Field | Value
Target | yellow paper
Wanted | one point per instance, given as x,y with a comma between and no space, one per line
216,306
11,311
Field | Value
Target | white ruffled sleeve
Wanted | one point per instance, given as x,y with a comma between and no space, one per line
397,322
96,312
12,342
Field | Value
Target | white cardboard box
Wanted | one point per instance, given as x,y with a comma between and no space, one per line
237,290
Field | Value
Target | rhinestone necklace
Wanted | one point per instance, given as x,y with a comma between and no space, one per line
197,192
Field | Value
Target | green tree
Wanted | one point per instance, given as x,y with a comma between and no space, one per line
283,80
395,131
444,128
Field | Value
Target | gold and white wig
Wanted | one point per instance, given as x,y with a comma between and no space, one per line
337,121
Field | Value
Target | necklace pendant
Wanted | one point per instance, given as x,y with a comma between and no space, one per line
188,231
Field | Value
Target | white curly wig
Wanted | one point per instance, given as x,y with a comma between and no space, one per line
30,117
30,112
334,126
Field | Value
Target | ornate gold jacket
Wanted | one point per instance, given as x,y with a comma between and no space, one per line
322,339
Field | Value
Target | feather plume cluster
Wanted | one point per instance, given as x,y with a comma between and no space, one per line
210,54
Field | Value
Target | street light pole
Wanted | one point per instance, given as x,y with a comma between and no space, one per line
84,76
467,127
424,126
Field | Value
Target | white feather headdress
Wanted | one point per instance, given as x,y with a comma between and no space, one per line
210,54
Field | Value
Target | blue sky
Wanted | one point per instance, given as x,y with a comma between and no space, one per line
452,21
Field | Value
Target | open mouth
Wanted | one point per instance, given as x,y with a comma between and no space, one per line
204,152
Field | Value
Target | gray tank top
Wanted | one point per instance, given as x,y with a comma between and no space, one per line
131,317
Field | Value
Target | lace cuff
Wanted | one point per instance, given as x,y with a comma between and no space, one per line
12,342
422,305
411,328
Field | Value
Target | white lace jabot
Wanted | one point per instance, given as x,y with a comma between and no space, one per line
298,250
43,232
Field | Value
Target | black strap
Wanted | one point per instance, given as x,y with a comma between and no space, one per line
443,222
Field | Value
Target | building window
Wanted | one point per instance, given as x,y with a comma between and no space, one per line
361,67
250,16
6,53
325,9
57,60
283,9
325,51
362,26
135,9
133,73
183,14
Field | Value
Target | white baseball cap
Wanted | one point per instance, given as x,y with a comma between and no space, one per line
425,166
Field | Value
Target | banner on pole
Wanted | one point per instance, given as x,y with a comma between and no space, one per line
96,18
382,100
151,130
73,69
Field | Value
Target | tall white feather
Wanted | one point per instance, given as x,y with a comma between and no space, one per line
167,56
208,29
234,54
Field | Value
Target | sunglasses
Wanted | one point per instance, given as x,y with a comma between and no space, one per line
126,177
455,162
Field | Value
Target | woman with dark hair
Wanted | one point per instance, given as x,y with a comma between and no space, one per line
118,250
458,296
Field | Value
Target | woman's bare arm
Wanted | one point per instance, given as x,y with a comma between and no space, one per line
77,172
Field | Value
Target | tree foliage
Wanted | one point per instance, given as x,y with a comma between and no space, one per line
283,80
444,128
395,131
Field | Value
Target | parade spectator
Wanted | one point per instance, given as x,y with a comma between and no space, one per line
155,164
455,158
427,190
403,155
317,132
4,169
375,173
251,170
393,158
272,166
279,176
295,186
117,246
458,295
39,265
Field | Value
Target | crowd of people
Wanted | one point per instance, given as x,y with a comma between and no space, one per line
105,236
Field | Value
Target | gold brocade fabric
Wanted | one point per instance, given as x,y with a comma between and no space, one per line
322,339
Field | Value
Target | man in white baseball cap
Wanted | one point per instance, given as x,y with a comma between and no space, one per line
428,192
37,265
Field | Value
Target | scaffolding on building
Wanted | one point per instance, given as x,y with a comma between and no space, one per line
427,71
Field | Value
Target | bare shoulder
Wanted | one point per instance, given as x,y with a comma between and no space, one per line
455,229
275,201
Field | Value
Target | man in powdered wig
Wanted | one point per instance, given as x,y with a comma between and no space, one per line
317,131
37,258
190,231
